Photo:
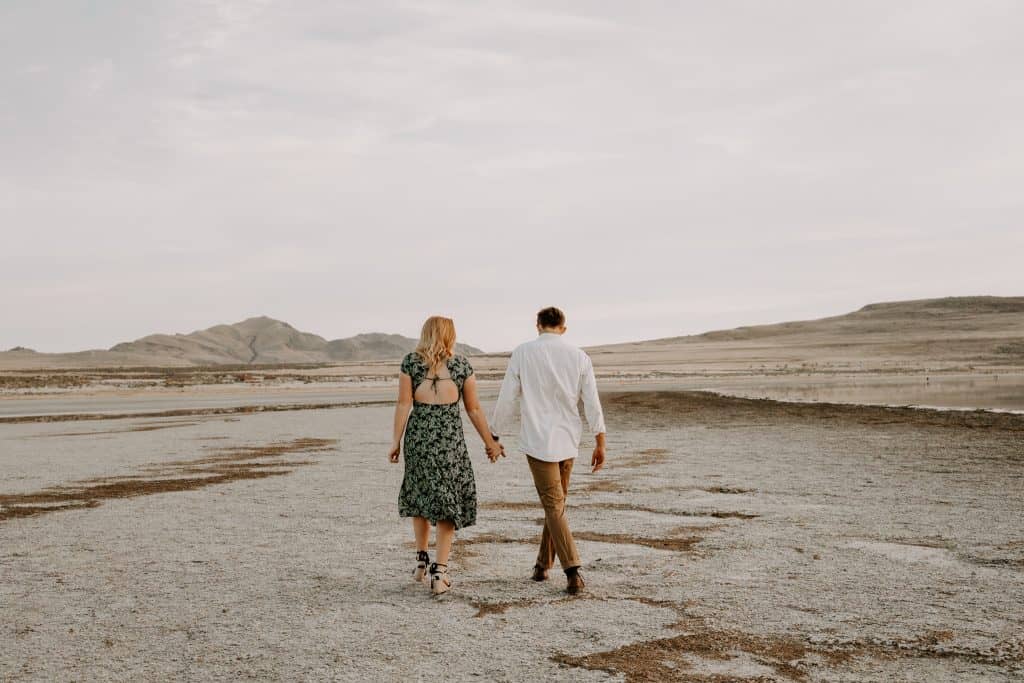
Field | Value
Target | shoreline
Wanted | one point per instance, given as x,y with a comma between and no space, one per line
608,394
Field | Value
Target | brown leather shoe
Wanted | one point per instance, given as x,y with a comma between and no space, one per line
575,583
539,573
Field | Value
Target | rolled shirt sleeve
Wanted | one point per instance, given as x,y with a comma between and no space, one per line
591,400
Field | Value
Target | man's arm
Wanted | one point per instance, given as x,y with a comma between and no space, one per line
511,387
595,415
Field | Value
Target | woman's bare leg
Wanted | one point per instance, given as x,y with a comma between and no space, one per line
421,527
445,534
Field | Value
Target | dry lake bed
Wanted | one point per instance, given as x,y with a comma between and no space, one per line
729,539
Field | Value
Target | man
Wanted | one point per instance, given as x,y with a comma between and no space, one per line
550,375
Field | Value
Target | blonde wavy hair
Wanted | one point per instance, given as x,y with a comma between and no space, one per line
437,340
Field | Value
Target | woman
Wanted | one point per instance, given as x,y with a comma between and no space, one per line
438,487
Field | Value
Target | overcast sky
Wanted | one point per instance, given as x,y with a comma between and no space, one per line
654,168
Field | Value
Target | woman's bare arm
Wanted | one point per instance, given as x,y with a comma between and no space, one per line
402,409
479,419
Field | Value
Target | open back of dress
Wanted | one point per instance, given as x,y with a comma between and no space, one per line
437,387
440,385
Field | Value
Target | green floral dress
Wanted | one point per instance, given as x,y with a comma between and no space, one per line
438,482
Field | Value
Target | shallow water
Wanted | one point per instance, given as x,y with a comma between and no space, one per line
1003,392
960,391
993,392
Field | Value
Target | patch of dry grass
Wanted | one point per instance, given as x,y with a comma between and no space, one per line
495,538
673,658
223,467
681,544
136,428
717,514
654,409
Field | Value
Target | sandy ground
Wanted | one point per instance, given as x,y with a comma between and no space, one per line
728,539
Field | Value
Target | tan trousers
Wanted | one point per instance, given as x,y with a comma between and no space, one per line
552,482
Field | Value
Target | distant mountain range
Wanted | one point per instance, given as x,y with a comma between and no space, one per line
952,332
253,341
963,330
948,315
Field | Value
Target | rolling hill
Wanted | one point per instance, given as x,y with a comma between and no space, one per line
254,341
942,333
947,333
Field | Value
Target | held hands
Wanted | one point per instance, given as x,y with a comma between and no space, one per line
395,451
494,450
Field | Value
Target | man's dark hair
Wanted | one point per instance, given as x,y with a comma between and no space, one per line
550,317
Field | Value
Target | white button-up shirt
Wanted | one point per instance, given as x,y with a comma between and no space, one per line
550,376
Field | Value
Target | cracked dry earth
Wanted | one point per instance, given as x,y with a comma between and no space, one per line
727,540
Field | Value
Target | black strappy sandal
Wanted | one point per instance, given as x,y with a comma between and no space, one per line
440,582
422,562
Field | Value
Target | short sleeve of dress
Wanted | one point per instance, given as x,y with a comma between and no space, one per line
410,367
462,370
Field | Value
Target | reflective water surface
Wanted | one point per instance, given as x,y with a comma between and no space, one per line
989,391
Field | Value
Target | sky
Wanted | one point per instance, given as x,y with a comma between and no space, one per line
654,168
